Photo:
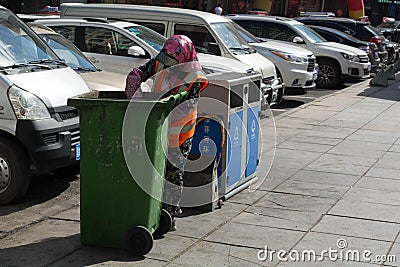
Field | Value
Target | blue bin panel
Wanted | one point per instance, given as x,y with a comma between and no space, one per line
253,128
235,148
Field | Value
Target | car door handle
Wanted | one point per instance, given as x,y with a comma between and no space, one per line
93,59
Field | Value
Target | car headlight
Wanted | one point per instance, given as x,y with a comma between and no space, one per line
366,49
290,57
353,58
27,106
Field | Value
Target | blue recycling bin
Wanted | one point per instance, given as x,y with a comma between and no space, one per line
228,127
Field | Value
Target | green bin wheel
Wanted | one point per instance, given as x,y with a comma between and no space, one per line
165,223
139,241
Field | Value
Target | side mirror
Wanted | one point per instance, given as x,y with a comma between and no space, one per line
136,51
213,49
298,40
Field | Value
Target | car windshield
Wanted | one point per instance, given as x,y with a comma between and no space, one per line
389,24
310,34
250,38
152,38
231,37
67,51
19,45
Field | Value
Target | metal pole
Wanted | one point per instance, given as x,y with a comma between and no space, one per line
375,12
286,7
323,5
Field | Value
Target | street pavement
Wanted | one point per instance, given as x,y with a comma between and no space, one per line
331,195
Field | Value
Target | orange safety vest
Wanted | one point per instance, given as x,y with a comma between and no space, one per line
182,120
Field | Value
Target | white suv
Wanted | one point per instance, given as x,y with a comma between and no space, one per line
295,65
336,62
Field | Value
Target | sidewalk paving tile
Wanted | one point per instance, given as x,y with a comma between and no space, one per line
342,123
247,196
375,136
303,146
315,132
390,161
294,155
255,236
395,148
214,254
373,196
318,242
312,189
40,244
279,218
169,246
342,164
315,140
329,132
269,183
378,184
283,134
355,116
297,123
367,210
383,124
313,112
97,256
295,202
383,173
325,178
195,223
357,228
395,251
347,159
360,148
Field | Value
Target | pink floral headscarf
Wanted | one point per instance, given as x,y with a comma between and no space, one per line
180,48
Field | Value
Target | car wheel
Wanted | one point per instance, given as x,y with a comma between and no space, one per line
14,172
328,74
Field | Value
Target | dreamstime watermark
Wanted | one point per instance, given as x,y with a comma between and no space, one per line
340,253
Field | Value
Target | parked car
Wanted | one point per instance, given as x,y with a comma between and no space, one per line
210,34
95,78
336,62
363,31
336,36
390,29
101,80
38,130
393,51
295,65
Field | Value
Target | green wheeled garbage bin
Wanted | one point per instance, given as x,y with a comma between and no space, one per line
122,166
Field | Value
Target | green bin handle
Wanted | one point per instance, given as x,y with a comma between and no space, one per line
175,100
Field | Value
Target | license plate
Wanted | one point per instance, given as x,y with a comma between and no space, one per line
369,68
78,152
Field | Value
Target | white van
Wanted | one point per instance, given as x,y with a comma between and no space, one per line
38,131
210,33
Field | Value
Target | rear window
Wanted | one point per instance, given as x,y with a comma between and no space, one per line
372,29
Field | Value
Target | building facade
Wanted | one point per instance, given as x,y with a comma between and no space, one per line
288,8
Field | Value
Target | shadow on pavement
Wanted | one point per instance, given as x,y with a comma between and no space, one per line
62,251
43,188
386,93
288,103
